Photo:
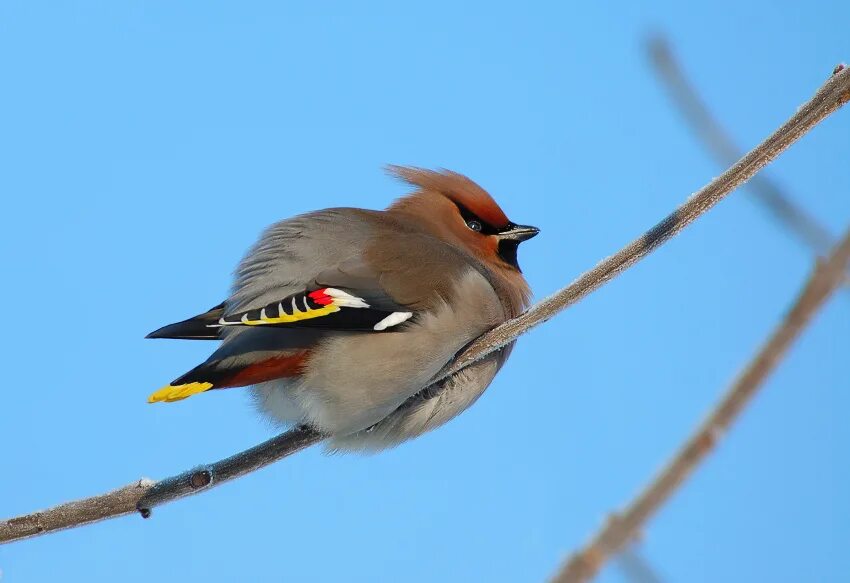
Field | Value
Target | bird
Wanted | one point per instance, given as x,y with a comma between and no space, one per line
342,319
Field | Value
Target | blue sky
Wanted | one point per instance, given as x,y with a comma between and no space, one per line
144,145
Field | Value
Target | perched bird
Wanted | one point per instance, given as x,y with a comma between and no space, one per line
342,318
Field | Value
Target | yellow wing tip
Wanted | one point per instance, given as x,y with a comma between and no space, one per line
171,393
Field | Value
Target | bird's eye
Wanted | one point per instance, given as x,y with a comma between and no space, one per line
475,225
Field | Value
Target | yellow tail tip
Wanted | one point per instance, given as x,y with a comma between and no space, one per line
172,393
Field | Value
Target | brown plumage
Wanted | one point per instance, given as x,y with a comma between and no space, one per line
342,318
441,217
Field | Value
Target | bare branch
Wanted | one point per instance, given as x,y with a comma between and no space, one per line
621,528
116,503
145,495
721,146
833,94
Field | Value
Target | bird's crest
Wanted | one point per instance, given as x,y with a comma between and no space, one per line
457,187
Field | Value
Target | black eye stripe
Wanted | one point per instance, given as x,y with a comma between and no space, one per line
470,217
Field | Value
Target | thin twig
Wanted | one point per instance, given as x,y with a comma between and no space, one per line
832,95
721,146
621,528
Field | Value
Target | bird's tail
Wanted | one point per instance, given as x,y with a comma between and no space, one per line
178,392
230,372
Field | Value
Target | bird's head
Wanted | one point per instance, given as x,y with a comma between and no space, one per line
457,210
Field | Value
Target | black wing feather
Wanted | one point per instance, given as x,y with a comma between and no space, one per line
195,328
360,318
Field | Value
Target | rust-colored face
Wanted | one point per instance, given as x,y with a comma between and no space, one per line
460,210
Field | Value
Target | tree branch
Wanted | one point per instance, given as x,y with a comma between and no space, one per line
721,146
832,95
144,495
623,527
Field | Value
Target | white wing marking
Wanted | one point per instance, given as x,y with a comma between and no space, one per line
345,300
393,319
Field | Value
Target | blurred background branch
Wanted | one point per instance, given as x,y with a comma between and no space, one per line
635,566
772,197
621,528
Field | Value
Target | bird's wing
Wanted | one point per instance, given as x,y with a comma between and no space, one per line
338,269
195,328
315,271
340,308
305,272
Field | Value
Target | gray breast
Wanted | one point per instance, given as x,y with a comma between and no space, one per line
426,410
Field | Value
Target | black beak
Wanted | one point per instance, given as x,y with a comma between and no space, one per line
518,233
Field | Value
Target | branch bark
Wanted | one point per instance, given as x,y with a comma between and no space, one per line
832,95
724,151
621,528
144,495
